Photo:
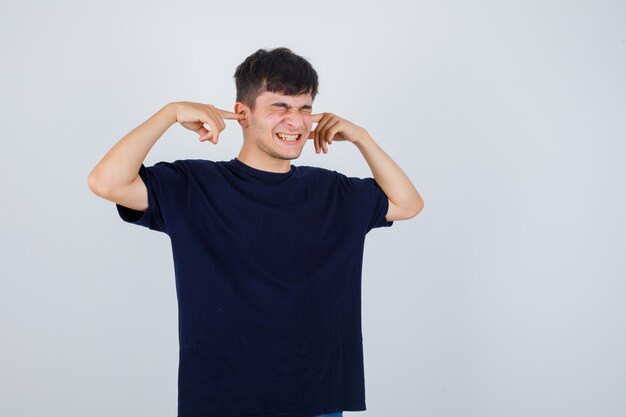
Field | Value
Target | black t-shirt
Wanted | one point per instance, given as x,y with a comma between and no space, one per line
268,283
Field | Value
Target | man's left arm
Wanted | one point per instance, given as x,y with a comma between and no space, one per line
404,200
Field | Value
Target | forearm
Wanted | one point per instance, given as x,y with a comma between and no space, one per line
120,165
389,176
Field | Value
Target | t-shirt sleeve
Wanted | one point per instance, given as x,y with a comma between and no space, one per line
372,202
166,183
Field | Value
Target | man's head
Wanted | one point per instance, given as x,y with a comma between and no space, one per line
275,90
277,70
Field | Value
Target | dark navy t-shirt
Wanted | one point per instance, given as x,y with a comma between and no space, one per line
268,283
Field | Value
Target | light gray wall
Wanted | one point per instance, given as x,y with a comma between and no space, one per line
504,297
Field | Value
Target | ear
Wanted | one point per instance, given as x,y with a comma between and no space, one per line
241,108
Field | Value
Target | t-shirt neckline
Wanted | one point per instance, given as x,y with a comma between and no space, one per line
260,174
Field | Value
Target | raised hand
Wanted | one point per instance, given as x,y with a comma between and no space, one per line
332,127
194,116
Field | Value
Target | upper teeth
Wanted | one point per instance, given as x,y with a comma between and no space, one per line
288,137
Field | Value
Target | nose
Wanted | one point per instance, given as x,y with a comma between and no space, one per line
293,118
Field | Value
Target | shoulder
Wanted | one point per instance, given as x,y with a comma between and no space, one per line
187,166
319,172
179,171
340,179
192,163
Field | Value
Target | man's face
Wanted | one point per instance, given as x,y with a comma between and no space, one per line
276,114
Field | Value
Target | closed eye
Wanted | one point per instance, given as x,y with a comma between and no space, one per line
286,106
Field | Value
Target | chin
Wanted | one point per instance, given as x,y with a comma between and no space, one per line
288,157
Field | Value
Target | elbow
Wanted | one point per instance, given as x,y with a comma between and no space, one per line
95,185
417,208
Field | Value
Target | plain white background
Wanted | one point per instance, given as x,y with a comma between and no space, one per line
504,297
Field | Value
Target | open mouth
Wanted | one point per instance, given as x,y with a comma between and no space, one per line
289,139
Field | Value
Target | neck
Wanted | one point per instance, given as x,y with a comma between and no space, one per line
263,161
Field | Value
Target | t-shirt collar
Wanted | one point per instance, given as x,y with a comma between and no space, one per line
265,176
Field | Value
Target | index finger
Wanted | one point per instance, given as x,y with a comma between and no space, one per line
317,117
230,115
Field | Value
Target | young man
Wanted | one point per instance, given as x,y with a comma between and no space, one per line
267,254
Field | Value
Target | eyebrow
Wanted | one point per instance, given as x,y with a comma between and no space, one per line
285,105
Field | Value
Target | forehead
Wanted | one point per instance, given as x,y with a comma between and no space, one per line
269,98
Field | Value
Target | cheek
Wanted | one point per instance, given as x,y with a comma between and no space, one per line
272,120
306,119
263,125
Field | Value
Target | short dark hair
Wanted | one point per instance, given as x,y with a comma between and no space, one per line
277,70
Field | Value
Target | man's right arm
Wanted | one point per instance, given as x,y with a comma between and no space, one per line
115,177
